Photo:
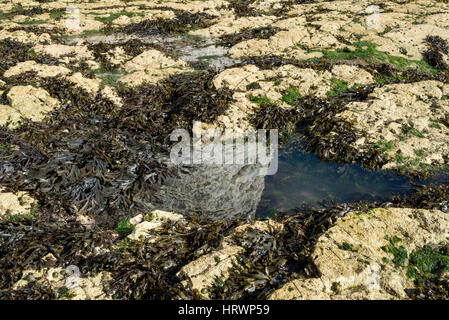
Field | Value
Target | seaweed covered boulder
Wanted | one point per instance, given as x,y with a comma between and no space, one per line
375,254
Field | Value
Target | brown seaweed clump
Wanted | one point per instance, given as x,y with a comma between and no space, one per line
183,22
13,52
91,157
437,46
425,197
229,40
430,289
139,269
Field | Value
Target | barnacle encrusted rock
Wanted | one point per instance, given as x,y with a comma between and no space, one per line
352,259
31,102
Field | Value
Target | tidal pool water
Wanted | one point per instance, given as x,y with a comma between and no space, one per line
303,179
228,191
199,53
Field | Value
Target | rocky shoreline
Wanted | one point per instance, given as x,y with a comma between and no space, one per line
90,93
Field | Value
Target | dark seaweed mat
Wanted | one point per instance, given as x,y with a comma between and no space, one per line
430,289
13,52
275,257
229,40
91,157
242,8
142,270
437,46
182,23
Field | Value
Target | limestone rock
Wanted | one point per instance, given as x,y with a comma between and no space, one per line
352,263
31,102
42,70
142,229
66,286
408,117
15,204
151,66
9,114
202,272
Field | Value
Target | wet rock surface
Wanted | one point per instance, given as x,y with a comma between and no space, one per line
89,93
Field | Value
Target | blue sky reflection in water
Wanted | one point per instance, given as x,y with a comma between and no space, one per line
302,178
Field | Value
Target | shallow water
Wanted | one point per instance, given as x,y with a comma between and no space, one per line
303,179
228,191
198,53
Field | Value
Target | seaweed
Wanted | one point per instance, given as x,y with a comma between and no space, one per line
430,289
106,165
229,40
183,22
437,46
139,269
14,52
242,8
271,116
278,255
425,197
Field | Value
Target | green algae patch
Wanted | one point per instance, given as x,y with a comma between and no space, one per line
338,87
427,262
124,227
291,95
366,50
259,99
347,247
399,253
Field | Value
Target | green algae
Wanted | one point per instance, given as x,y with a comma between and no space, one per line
259,99
427,262
366,51
399,253
291,95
